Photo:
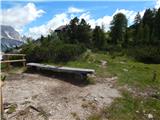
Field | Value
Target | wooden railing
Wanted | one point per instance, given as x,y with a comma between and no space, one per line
8,61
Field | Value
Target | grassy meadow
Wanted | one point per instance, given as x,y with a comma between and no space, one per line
139,84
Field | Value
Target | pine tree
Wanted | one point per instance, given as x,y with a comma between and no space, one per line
137,19
146,34
118,28
157,27
148,19
84,33
98,38
72,30
140,35
79,32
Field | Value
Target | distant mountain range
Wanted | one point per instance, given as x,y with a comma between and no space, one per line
10,38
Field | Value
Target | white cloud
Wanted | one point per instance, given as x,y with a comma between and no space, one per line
100,21
85,16
75,10
64,18
106,20
56,21
142,12
157,4
20,16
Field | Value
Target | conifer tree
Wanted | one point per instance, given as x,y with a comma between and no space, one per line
118,28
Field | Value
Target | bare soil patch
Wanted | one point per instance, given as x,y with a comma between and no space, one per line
38,97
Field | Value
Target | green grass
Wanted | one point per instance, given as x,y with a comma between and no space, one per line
130,107
139,76
3,66
143,78
12,109
94,117
129,72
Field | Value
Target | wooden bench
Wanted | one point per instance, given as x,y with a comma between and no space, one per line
79,71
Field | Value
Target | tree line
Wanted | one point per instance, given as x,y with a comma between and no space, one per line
144,31
141,40
80,32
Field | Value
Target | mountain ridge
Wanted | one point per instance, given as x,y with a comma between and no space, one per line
10,38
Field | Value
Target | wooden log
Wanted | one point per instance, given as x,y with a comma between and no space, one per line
61,69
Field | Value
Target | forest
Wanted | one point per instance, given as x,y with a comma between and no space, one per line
140,41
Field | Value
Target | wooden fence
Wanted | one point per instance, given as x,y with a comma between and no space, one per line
8,61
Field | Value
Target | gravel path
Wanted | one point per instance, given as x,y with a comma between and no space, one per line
37,97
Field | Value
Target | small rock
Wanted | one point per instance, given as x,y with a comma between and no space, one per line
150,116
129,89
26,98
125,70
103,62
101,97
58,107
122,62
83,99
114,78
65,98
95,99
154,110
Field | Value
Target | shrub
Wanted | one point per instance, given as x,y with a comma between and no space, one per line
146,54
66,52
57,52
33,52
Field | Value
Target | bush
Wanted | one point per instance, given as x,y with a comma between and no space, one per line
53,52
66,52
147,54
33,52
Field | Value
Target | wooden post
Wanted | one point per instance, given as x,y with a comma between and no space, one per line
8,64
1,103
24,62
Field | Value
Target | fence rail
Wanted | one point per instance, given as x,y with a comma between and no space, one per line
14,54
8,61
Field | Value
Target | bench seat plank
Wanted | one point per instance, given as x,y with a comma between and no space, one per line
61,69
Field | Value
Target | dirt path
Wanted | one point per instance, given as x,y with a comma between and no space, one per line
37,97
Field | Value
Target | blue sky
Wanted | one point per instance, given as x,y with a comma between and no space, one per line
33,18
